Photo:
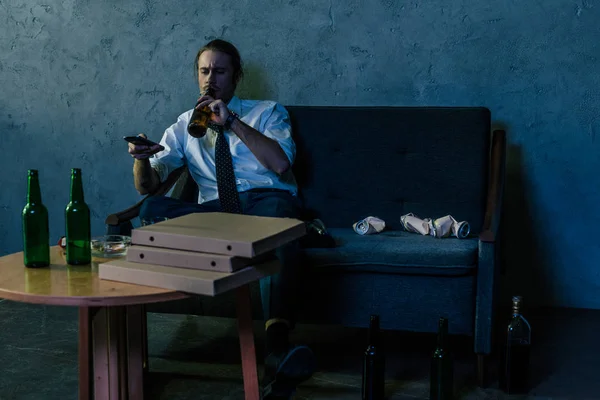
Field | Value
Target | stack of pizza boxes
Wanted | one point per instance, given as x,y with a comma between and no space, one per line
203,253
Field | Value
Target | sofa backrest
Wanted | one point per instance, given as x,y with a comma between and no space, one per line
353,162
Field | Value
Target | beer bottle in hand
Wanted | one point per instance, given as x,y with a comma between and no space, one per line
36,235
200,119
77,219
373,380
442,371
514,366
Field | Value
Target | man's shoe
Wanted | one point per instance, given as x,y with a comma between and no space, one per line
284,372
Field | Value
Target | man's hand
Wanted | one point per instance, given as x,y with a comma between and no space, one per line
141,152
266,150
145,178
218,107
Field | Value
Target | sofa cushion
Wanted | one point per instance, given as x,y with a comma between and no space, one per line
397,252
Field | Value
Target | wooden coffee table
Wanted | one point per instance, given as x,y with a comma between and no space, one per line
112,330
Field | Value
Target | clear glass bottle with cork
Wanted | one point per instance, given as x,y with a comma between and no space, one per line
514,365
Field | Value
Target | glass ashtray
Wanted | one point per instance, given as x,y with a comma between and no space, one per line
110,245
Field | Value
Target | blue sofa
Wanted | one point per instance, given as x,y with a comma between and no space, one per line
354,162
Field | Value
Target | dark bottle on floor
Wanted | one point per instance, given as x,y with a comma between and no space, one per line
373,382
36,234
77,221
200,119
442,370
514,365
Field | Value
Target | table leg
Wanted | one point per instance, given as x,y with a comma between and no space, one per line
120,317
135,340
110,355
145,338
86,386
101,355
114,339
248,351
113,351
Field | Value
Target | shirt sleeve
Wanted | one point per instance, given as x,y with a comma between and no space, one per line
172,157
277,127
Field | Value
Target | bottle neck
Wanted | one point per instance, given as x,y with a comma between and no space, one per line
516,306
442,333
34,195
374,331
76,186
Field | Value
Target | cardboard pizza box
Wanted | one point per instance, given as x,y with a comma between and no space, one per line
208,283
191,259
220,233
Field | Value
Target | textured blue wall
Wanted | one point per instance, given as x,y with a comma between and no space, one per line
78,75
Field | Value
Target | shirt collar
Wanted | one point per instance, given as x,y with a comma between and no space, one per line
235,105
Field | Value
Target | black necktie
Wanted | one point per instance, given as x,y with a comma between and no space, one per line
228,194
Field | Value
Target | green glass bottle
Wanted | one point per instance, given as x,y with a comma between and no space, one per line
373,379
77,221
442,374
36,233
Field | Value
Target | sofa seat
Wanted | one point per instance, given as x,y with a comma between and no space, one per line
396,252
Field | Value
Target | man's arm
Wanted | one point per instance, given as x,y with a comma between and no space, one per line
145,178
266,150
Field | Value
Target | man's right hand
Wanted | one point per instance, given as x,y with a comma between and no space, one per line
140,152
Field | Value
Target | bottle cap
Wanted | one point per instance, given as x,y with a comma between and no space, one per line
516,303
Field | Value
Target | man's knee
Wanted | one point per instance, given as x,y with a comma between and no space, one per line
276,206
282,208
153,206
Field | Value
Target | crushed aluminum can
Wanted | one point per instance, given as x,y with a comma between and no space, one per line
448,226
463,229
439,228
369,226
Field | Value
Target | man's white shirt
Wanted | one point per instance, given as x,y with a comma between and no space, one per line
267,117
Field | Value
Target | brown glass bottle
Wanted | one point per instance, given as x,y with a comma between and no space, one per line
200,119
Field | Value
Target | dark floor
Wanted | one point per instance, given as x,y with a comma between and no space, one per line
198,358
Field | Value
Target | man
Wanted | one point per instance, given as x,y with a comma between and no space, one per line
261,151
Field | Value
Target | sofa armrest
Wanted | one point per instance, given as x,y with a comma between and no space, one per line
487,271
130,213
493,209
